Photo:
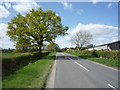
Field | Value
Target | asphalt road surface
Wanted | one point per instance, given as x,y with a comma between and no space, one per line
75,72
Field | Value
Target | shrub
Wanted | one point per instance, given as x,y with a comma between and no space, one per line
108,54
14,61
100,54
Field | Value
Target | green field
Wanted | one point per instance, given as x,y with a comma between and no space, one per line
108,62
33,75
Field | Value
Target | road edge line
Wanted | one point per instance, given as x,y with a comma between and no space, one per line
98,63
51,78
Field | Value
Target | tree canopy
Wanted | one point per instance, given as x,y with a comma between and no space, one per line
53,47
36,27
81,38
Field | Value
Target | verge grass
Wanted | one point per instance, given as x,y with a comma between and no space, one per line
33,75
109,62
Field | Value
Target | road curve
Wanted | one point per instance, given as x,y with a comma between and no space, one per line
75,72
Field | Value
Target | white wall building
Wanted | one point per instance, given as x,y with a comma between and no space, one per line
109,46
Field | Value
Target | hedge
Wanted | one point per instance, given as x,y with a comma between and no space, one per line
14,61
100,54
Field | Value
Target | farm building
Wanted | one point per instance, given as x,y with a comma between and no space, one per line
109,46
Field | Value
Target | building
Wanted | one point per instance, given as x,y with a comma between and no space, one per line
109,46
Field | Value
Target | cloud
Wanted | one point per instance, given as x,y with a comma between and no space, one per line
57,14
109,5
58,41
96,1
80,11
102,34
16,0
4,39
63,41
67,5
23,7
7,5
4,12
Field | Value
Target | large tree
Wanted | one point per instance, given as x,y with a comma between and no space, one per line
36,27
81,38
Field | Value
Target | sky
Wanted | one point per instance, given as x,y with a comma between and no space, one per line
98,18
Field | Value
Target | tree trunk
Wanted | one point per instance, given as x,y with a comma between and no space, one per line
40,48
40,45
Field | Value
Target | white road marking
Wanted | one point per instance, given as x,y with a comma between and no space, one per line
81,66
111,86
99,64
70,58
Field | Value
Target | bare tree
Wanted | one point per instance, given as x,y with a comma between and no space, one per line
81,38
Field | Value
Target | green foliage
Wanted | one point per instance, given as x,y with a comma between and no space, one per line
109,62
90,45
14,61
18,50
53,47
101,54
35,27
33,75
109,54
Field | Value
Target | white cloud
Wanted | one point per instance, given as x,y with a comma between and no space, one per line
109,5
57,14
63,41
16,0
4,39
101,33
7,5
3,28
80,11
22,7
96,1
67,5
58,41
4,12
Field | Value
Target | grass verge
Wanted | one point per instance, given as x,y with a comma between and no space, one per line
33,75
108,62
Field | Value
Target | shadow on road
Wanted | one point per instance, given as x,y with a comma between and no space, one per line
63,57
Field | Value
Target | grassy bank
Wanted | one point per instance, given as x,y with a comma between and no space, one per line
108,62
33,75
14,61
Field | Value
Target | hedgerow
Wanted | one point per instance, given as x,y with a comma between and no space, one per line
100,54
14,61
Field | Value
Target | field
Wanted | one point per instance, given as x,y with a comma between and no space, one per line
33,75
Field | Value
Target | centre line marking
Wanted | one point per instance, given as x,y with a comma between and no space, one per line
70,58
81,66
112,86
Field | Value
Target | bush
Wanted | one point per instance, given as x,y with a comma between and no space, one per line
14,61
108,54
100,54
17,50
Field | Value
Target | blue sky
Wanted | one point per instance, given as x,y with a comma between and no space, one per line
100,19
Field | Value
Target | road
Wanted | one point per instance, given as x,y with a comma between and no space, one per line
75,72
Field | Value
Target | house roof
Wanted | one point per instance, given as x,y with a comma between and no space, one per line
108,43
